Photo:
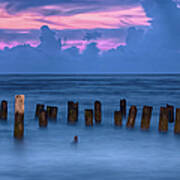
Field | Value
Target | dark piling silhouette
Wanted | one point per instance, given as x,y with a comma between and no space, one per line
170,113
132,117
4,110
19,117
118,118
146,117
39,108
123,108
52,112
97,107
75,139
177,122
163,120
89,117
43,120
72,112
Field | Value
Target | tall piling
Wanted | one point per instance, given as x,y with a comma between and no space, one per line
19,117
43,121
97,107
89,117
4,110
177,122
146,117
163,120
117,118
39,108
123,108
72,112
170,110
132,117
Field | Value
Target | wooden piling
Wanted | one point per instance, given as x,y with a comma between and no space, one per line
39,108
4,110
97,107
132,117
43,121
52,112
89,117
146,117
177,122
72,112
117,118
123,107
75,139
170,113
163,120
19,117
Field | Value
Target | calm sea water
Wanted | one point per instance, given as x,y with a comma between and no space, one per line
103,152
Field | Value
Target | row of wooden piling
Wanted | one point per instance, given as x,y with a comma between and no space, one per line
50,113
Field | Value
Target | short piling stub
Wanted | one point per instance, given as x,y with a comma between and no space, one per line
117,118
97,108
89,117
163,120
177,122
19,117
170,110
39,108
75,139
146,117
43,121
132,117
4,110
72,112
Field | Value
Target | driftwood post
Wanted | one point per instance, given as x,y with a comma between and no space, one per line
146,117
89,117
43,121
72,112
39,108
19,117
163,120
97,107
177,122
123,108
118,118
170,113
132,117
4,110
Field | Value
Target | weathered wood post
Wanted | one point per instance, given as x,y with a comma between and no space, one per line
97,107
72,112
4,110
43,121
146,117
132,117
75,139
39,108
170,113
89,117
19,117
52,112
163,120
123,107
177,122
117,118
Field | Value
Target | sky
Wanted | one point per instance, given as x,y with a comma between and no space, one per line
89,36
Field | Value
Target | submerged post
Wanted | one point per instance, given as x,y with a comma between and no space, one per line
118,118
170,113
43,121
146,117
72,112
97,107
19,117
123,107
89,117
39,108
132,117
4,110
163,120
177,122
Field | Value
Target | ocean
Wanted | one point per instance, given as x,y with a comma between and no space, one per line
104,152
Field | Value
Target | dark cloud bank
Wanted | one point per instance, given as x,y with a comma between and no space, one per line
154,50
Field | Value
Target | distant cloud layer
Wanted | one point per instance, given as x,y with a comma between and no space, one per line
153,46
